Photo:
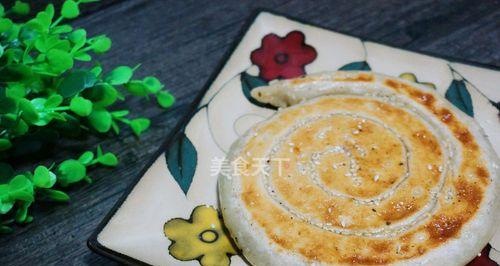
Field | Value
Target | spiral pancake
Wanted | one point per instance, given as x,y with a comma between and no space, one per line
360,168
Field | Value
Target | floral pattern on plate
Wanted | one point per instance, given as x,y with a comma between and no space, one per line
203,237
274,47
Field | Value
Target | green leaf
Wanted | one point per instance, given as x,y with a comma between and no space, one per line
75,82
120,113
99,151
22,212
119,75
61,29
80,106
86,157
20,128
248,83
15,72
29,113
101,95
101,44
70,171
21,188
153,84
108,159
54,195
97,70
9,120
115,127
39,104
59,60
53,101
139,125
21,8
70,9
82,56
43,177
44,18
1,50
361,65
2,10
5,207
100,119
5,144
78,37
5,24
165,99
16,90
458,94
4,229
137,88
6,202
181,160
7,105
50,11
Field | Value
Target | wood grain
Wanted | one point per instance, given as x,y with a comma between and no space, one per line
182,42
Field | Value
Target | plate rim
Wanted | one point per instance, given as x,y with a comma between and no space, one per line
92,242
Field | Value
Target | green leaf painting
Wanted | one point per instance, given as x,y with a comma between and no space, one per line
361,65
458,94
497,105
181,160
248,83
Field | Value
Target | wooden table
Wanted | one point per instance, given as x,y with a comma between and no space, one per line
182,42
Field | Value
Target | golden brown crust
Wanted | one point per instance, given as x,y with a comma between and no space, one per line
382,183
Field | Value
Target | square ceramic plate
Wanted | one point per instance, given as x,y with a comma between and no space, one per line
184,172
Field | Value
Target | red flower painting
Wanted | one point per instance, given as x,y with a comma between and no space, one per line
283,58
483,259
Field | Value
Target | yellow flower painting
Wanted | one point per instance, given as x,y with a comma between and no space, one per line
203,237
411,77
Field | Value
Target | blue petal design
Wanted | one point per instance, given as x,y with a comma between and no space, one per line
361,65
248,83
182,160
458,94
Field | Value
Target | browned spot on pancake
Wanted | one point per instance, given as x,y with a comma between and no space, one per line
280,241
427,140
381,247
389,109
396,85
464,136
482,173
406,237
313,252
364,260
398,210
362,77
296,150
445,115
301,80
330,214
426,99
248,195
469,193
443,227
421,250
